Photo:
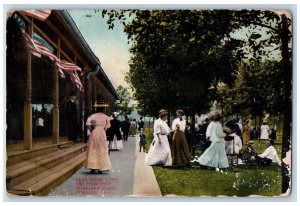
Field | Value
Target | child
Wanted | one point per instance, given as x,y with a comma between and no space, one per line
142,140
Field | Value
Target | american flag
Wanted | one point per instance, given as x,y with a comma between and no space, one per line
37,49
38,14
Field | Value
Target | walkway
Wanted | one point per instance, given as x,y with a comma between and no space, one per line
129,177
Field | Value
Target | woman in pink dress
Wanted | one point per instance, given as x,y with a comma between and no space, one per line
97,158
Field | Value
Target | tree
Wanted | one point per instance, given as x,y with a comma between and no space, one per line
178,57
124,101
198,46
258,89
277,26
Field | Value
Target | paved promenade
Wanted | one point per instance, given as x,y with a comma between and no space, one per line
129,177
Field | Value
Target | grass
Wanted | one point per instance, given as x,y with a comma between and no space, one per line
236,181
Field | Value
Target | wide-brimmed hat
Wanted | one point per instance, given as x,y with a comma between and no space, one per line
100,102
162,112
216,113
250,142
180,111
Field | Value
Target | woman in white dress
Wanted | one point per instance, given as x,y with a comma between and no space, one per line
264,131
160,152
215,155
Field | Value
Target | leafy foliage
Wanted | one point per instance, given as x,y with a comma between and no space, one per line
124,101
257,89
180,57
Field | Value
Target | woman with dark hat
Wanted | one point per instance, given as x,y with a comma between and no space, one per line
97,159
160,152
180,149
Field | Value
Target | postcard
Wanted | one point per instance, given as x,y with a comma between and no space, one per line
149,102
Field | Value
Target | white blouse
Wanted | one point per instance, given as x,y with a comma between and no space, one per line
233,147
161,127
182,124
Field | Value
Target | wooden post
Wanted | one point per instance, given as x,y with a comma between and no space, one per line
27,106
55,99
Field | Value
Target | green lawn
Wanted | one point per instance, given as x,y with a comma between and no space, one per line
236,181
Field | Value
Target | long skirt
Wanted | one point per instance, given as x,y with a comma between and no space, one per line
116,144
180,150
97,151
132,131
264,134
246,137
214,156
159,153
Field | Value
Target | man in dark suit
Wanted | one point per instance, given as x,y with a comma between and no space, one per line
125,128
141,124
71,117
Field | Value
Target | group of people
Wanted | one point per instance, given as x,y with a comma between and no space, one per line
269,156
105,135
166,151
224,143
231,140
129,128
170,146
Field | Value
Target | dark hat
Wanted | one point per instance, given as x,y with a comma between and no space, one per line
100,102
72,93
180,111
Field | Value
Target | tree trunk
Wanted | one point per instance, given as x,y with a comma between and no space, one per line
193,134
149,122
259,121
169,117
287,114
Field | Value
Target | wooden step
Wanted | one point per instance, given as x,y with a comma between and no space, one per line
26,162
25,170
43,183
20,156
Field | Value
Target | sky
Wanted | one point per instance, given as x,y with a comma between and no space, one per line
110,46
